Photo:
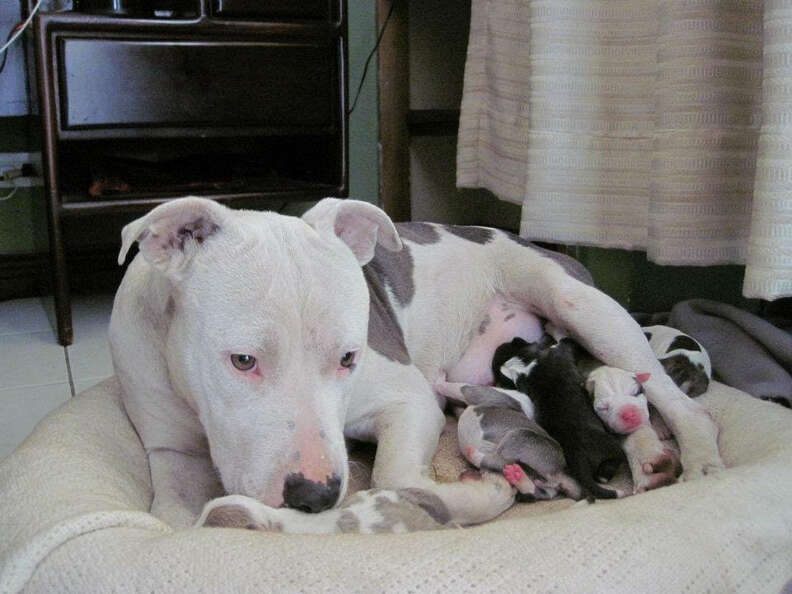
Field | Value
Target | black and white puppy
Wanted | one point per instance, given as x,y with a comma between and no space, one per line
684,359
548,374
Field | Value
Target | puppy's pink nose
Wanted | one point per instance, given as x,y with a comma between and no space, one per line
630,416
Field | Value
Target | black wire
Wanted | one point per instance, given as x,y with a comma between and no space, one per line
371,55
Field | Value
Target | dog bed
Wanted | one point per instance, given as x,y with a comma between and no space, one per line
74,502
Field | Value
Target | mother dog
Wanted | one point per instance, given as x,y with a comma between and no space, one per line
250,344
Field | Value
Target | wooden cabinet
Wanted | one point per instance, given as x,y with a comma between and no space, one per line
244,103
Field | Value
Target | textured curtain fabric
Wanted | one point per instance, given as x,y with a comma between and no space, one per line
638,124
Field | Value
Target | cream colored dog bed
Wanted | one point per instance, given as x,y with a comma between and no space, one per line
74,502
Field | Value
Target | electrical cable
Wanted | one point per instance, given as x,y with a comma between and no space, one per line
20,28
10,194
371,55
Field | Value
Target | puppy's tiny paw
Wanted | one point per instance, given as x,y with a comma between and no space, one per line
513,473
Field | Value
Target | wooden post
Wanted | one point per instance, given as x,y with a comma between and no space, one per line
394,104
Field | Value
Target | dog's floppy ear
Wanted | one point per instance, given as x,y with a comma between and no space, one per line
169,235
358,224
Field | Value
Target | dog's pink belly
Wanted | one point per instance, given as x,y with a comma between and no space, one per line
503,321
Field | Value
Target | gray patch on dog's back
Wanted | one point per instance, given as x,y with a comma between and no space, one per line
420,233
384,332
229,516
429,502
480,235
572,267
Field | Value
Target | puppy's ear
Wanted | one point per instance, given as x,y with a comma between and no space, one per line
170,234
358,224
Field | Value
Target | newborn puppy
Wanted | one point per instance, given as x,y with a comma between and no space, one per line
502,321
551,379
618,398
496,433
683,357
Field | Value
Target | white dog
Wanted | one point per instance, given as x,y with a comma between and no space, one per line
250,344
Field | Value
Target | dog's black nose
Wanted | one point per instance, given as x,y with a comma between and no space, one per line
310,496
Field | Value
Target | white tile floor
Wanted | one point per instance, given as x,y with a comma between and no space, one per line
36,374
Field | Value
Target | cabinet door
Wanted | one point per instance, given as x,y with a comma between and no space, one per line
182,84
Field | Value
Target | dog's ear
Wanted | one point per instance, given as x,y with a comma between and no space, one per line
170,234
358,224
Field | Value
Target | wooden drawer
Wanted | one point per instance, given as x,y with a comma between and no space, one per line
183,84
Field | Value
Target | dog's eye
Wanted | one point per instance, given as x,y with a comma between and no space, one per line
243,362
348,360
638,390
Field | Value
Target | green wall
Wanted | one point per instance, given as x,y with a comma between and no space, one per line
363,122
642,286
23,218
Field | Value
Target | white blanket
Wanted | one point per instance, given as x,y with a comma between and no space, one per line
74,502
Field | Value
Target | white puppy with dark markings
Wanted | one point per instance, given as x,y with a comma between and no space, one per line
249,344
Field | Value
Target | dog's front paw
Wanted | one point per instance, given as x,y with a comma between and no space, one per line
698,442
238,511
699,468
652,464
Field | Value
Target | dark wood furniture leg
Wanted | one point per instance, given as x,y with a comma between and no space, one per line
60,280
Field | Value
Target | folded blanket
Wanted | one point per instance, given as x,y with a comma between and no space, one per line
747,352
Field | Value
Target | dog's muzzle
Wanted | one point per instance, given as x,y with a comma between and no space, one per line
310,496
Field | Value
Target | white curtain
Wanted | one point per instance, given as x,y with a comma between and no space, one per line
638,124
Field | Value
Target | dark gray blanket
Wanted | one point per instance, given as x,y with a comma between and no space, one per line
747,352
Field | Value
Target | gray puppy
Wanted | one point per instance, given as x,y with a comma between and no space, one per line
496,433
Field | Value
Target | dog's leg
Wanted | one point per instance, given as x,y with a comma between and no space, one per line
182,485
407,428
644,444
365,512
406,441
608,332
